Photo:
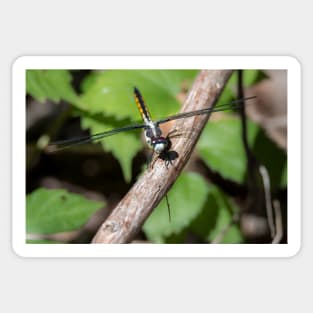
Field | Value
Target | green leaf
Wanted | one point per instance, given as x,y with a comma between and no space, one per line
272,157
54,85
217,214
284,177
221,148
186,199
251,77
32,241
53,211
107,101
124,146
110,93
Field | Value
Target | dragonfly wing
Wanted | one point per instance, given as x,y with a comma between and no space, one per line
228,106
92,138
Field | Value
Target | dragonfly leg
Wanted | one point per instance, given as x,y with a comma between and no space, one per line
168,208
183,134
168,157
173,131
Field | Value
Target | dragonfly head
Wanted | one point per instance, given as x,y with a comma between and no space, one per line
160,144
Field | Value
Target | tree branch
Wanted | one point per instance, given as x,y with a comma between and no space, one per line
268,198
252,163
278,223
129,215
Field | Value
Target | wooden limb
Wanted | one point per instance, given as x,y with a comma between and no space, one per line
278,223
268,199
244,129
255,167
130,214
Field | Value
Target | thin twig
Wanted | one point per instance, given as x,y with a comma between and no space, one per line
252,162
255,167
129,215
244,130
268,198
278,222
168,208
42,142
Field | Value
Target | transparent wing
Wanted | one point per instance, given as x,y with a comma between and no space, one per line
228,106
58,145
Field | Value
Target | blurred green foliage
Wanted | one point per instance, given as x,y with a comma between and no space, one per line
55,211
198,208
220,147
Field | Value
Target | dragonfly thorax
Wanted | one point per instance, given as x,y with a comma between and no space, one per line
155,139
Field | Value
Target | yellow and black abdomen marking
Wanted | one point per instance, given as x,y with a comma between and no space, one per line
145,114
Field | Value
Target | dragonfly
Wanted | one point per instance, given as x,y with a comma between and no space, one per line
154,137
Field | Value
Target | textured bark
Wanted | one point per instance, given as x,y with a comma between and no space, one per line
130,214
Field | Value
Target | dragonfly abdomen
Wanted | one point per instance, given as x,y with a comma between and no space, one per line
144,112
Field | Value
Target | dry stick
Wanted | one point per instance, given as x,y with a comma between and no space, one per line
244,134
254,164
278,222
129,215
42,142
268,199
